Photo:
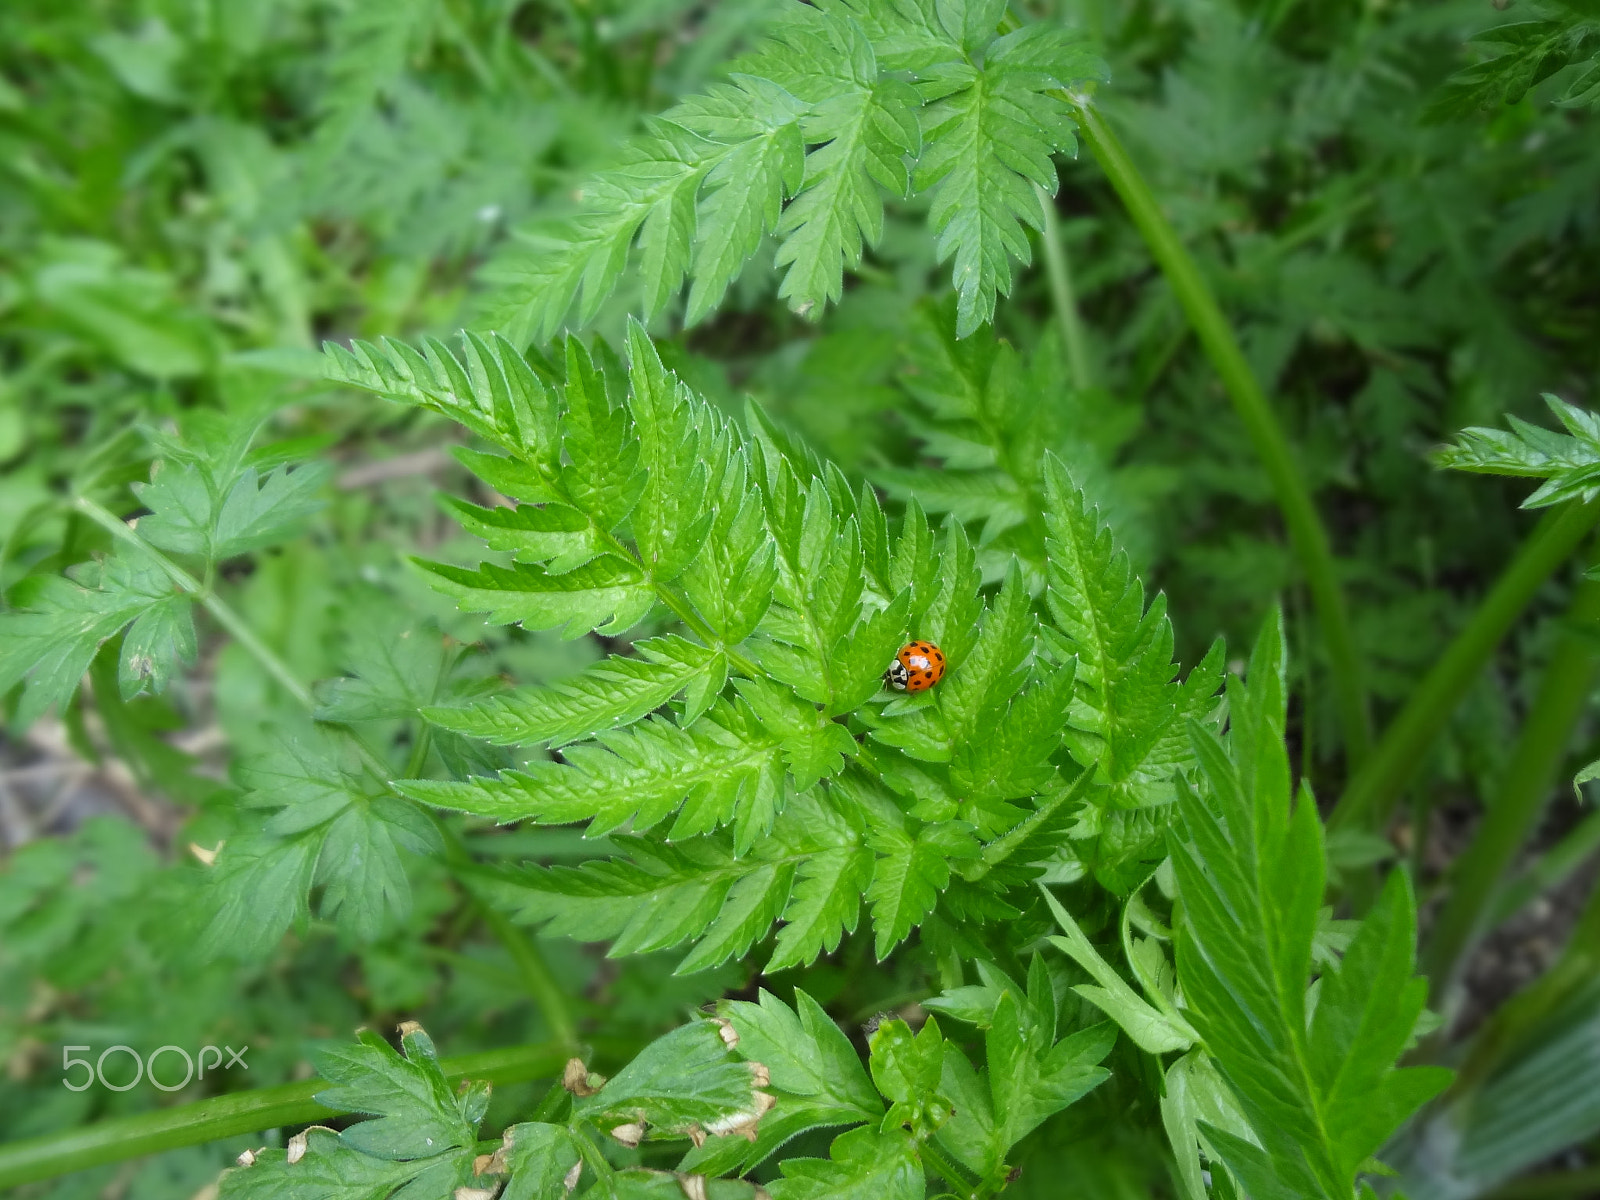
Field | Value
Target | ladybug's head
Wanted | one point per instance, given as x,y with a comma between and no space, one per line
896,675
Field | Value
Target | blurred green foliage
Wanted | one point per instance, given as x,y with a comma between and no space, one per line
1398,204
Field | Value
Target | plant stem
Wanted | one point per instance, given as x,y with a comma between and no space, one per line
1372,794
1520,798
1557,865
947,1170
233,1114
684,613
236,625
1306,531
536,975
593,1155
1059,272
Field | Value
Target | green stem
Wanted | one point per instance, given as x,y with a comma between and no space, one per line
234,1114
1524,788
237,627
684,613
583,1136
1372,794
536,975
1062,297
947,1170
1272,447
1551,871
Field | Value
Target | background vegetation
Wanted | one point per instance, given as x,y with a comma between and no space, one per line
1401,223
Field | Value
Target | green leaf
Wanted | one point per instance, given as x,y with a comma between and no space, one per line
326,830
489,388
649,194
826,113
725,768
730,581
182,508
361,864
910,873
805,1053
159,639
602,476
328,1169
824,905
1029,1082
989,137
1193,1094
671,521
745,190
1152,1030
258,890
686,1081
816,1079
254,517
558,535
819,592
1013,760
416,1110
1522,54
617,691
813,746
608,595
1568,463
1129,717
661,895
907,1069
862,126
637,1183
862,1165
1250,880
50,643
189,516
539,1158
1026,1081
860,659
393,672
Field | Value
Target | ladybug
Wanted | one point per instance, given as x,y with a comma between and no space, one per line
917,667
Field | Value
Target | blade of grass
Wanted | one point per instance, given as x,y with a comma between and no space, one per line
1519,800
1306,531
1372,794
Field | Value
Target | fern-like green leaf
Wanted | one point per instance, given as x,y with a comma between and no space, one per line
1568,463
1319,1086
617,691
990,136
609,594
813,128
1128,700
662,895
725,768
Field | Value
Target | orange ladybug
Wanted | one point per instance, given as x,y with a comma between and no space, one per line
917,667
